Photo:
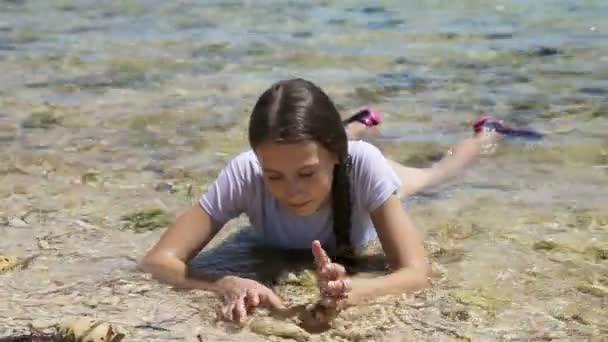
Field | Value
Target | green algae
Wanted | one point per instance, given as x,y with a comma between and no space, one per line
41,117
572,312
90,177
8,133
320,60
305,281
456,314
456,230
545,245
29,35
209,49
271,327
597,253
145,121
565,155
486,299
449,255
596,290
146,220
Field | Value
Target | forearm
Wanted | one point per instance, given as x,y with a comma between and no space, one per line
174,272
167,260
367,287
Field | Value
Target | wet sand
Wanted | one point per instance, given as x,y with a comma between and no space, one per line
111,111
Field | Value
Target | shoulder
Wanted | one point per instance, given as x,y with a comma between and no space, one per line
243,168
233,189
366,160
245,162
363,153
373,179
360,146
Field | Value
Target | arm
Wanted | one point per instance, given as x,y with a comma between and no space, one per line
194,229
404,249
166,261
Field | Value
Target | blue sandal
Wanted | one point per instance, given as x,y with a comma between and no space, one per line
490,123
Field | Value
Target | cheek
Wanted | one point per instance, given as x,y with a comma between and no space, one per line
317,186
275,188
321,184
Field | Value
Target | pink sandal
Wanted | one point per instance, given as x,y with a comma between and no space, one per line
366,116
486,121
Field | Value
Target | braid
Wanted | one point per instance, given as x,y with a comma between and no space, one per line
341,205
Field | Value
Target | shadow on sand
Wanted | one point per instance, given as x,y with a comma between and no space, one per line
243,255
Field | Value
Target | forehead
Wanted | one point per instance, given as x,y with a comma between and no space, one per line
283,157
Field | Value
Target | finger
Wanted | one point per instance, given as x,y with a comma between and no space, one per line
327,302
272,300
253,298
341,285
227,311
219,313
332,271
331,293
321,258
337,289
337,269
347,285
239,309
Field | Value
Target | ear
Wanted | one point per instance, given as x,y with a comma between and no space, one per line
334,159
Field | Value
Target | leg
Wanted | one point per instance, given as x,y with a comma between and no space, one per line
413,179
360,122
355,130
455,161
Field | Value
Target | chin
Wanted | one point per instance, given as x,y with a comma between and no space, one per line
305,211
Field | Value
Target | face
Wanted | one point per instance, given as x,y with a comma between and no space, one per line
299,175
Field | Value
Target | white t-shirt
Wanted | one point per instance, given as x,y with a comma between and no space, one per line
239,188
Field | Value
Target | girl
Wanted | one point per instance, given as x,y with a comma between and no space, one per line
304,185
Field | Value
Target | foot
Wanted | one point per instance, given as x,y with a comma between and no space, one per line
359,123
366,116
489,131
488,123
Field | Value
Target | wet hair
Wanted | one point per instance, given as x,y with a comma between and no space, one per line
296,110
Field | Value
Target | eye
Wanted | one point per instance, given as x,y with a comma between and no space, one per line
273,177
307,174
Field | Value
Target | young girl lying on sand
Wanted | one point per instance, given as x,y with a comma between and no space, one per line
303,185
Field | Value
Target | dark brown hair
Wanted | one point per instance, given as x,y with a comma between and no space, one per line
296,110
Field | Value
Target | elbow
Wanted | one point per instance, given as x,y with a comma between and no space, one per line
414,277
148,264
419,277
164,267
425,273
154,264
145,264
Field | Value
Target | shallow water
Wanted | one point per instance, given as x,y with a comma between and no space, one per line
108,108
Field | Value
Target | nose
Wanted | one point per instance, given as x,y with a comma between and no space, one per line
294,187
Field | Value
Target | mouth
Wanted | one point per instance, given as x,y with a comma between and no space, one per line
298,205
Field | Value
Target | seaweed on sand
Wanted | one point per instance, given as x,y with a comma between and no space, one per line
146,220
34,337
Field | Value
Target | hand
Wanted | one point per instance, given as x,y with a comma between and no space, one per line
241,296
334,284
